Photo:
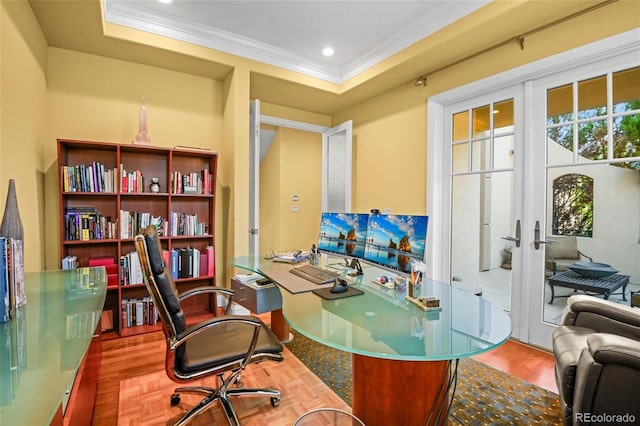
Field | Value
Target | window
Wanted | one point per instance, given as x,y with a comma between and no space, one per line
597,119
573,205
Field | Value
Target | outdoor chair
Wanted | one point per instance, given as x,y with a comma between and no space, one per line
561,252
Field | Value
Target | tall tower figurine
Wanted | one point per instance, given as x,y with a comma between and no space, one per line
143,136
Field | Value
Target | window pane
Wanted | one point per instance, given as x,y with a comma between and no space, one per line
503,116
626,90
481,120
460,160
573,205
503,152
560,145
480,155
461,126
626,136
559,104
592,97
592,140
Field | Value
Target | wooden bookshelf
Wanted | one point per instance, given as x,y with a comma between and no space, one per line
93,201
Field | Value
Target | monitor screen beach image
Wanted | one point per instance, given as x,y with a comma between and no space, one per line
394,240
343,233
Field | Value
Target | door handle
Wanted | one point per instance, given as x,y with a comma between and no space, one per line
536,237
515,239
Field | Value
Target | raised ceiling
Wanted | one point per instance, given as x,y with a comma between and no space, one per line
292,34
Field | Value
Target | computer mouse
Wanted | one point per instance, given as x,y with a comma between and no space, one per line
339,286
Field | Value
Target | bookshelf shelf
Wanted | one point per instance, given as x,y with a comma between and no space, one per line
105,198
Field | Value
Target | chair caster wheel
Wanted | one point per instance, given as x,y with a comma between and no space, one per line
175,399
275,401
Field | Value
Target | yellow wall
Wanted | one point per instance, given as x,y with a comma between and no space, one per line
23,109
292,166
97,99
49,93
390,130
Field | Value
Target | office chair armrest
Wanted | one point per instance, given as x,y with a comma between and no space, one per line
218,322
209,289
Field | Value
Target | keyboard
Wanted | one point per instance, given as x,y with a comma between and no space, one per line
314,274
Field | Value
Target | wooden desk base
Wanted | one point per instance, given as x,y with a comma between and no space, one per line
279,326
388,392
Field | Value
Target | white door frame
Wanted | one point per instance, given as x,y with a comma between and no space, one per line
255,120
438,180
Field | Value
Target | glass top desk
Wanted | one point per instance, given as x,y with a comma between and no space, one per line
42,348
390,339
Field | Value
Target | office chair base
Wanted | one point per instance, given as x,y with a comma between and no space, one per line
223,396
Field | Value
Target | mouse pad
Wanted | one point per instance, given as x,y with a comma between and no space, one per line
325,293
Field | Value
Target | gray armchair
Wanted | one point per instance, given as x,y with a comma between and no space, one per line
597,356
561,252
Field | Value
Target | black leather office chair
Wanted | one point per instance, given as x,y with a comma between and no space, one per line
221,346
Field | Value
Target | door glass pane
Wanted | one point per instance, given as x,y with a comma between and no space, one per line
460,160
559,145
503,152
481,216
560,104
481,120
626,136
614,224
626,90
592,97
592,209
460,125
592,140
503,116
482,200
480,155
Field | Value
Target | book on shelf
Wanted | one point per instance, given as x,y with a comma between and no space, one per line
88,178
211,263
136,312
70,262
85,223
110,266
194,183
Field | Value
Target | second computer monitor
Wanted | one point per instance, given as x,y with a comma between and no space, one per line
394,240
343,234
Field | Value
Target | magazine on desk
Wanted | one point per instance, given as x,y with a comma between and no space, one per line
294,257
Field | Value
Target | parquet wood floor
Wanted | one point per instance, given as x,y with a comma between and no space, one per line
142,355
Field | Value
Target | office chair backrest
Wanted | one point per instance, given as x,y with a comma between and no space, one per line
159,282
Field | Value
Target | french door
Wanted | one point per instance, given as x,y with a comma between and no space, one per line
565,163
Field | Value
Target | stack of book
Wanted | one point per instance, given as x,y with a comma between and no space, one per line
130,270
85,223
89,178
192,183
131,222
11,278
189,262
138,312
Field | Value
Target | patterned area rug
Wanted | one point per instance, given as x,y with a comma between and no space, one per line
484,395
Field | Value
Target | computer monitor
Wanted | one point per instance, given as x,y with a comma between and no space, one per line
343,234
394,240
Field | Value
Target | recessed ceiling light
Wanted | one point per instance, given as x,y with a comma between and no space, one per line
327,51
165,1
